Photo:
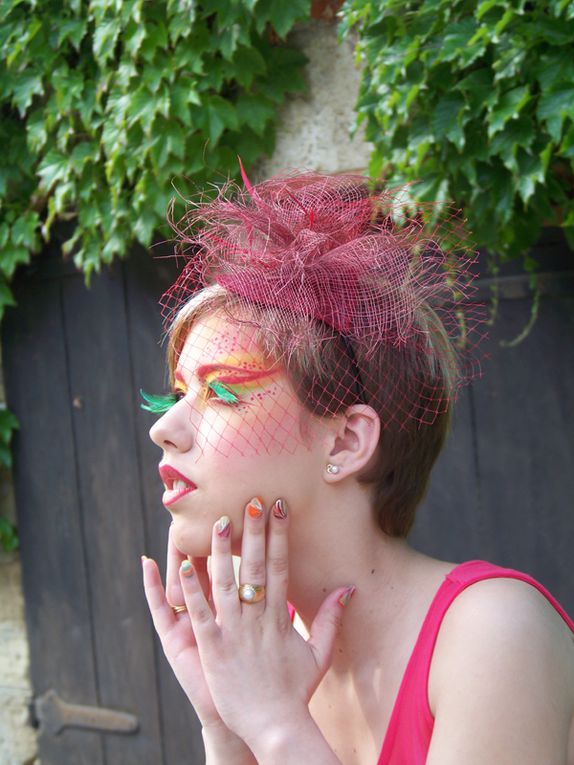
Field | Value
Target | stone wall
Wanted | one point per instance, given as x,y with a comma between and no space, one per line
313,134
314,128
17,737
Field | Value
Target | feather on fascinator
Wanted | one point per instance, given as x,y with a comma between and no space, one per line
319,248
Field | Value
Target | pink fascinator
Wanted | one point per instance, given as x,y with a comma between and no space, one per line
325,262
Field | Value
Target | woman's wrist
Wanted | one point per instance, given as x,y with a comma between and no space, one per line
225,747
293,740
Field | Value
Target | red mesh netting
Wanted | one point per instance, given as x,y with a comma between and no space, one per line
343,295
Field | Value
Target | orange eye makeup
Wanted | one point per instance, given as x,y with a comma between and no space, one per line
225,383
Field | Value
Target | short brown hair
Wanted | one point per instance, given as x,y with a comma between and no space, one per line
323,369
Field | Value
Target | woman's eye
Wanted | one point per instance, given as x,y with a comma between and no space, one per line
159,403
222,393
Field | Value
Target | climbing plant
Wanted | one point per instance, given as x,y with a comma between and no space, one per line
112,107
475,100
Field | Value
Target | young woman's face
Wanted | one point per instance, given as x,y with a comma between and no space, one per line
234,433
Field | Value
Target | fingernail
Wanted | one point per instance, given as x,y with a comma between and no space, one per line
255,508
186,568
143,559
346,596
224,526
280,509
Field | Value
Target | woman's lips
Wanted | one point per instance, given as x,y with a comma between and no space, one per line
173,495
176,484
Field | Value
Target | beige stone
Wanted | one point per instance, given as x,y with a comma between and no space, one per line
313,130
17,738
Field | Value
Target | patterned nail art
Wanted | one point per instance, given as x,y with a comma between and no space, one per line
186,568
255,508
280,509
224,526
346,596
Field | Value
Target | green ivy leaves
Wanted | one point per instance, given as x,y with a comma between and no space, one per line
476,101
8,423
107,103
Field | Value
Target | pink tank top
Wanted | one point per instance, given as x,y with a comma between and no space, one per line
410,728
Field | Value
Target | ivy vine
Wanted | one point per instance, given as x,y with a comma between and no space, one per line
106,103
474,99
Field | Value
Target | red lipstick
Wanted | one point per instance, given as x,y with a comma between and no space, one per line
176,484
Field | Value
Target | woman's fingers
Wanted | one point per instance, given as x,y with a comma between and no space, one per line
161,612
202,619
252,570
200,566
224,588
174,560
326,624
277,558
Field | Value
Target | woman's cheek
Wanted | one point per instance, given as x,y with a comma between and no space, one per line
266,424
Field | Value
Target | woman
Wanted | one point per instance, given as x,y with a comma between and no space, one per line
315,352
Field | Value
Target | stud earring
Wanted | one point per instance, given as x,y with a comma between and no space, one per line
333,469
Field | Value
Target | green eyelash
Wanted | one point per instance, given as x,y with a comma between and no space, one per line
223,393
158,403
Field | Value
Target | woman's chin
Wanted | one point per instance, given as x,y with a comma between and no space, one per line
191,542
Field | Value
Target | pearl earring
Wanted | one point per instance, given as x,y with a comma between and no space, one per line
333,469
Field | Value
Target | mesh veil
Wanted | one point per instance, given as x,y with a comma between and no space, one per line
352,299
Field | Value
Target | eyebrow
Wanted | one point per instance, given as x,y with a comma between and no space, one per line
236,374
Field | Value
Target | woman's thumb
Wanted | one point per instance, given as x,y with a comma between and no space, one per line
327,624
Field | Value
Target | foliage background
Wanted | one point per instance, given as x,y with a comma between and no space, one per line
475,99
104,103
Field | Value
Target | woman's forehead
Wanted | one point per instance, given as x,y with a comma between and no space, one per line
216,339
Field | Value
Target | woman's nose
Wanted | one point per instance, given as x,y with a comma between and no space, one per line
174,430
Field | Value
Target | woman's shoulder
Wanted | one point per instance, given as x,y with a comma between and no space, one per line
498,627
501,681
506,600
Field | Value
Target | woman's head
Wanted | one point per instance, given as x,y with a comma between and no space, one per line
233,433
329,309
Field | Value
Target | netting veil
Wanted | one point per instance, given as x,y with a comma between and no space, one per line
339,296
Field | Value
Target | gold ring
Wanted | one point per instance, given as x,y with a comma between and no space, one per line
251,593
179,609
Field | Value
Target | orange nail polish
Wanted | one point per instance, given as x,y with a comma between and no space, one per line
255,508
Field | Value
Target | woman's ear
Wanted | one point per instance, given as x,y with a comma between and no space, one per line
353,443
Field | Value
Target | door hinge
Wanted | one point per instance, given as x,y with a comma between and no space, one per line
52,715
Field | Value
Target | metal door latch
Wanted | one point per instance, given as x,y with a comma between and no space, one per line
53,715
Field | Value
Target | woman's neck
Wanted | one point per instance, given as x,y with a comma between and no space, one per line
342,545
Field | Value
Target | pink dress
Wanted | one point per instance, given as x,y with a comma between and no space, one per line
410,728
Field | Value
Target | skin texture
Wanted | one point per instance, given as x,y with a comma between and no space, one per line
233,452
264,694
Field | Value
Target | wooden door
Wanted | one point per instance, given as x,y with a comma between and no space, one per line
503,488
88,500
88,492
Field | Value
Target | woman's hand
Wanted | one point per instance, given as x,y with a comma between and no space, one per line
259,671
180,648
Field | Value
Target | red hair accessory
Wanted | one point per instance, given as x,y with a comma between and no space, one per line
319,248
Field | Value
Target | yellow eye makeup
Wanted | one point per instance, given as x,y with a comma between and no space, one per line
224,383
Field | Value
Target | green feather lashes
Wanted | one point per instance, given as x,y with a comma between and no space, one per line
223,393
157,403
